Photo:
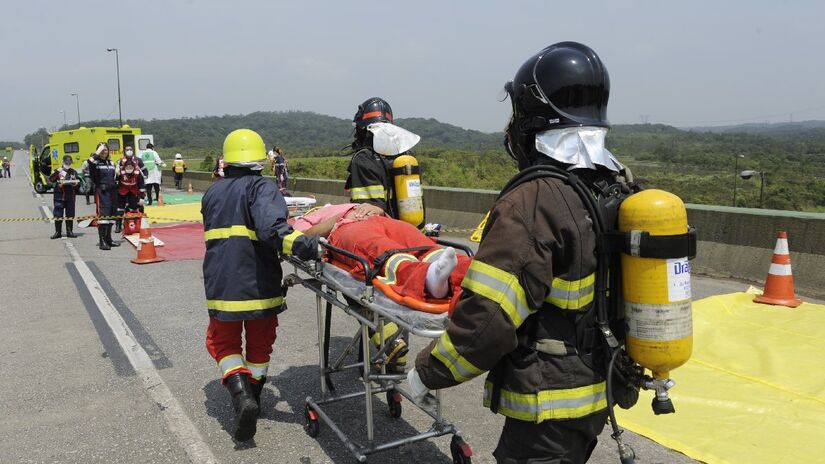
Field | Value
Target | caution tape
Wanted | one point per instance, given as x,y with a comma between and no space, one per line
99,218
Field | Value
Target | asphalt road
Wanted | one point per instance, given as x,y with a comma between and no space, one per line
68,392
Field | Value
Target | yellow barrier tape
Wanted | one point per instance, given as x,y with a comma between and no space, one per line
82,218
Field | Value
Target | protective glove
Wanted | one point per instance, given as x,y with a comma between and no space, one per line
417,388
626,391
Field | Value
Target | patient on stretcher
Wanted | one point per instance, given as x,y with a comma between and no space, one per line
429,274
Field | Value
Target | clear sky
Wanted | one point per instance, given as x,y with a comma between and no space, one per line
684,63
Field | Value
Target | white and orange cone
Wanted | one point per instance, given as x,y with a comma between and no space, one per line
779,288
146,252
190,191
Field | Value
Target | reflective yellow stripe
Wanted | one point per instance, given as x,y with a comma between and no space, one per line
570,403
499,286
232,231
258,370
289,240
445,351
390,329
432,255
391,267
370,192
572,294
231,363
245,305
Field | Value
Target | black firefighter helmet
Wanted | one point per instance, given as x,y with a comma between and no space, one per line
564,85
371,111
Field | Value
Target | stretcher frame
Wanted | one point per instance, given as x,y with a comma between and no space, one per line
369,317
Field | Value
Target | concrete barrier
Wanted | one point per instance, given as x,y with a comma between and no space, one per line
733,242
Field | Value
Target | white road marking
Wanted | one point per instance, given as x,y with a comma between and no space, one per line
184,430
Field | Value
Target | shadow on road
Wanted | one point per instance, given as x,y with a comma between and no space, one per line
294,384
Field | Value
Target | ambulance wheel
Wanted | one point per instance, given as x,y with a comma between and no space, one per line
394,403
461,451
311,426
39,187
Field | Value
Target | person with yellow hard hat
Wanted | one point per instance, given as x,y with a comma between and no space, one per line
244,221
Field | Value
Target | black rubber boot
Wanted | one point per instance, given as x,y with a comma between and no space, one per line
101,232
69,232
58,229
118,227
246,409
257,388
109,240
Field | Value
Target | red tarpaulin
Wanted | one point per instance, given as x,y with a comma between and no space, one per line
180,241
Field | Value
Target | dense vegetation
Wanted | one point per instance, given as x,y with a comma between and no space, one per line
697,165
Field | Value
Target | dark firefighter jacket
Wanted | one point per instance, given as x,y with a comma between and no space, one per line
102,172
244,221
370,181
531,280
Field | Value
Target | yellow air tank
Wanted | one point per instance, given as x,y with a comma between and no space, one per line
657,297
408,193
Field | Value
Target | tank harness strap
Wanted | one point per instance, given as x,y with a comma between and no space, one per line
642,244
379,262
405,170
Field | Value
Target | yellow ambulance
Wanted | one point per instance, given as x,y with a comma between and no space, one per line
80,144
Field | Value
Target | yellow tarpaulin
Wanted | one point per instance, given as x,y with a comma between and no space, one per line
754,389
174,213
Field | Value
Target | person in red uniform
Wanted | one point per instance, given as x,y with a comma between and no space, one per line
130,187
364,229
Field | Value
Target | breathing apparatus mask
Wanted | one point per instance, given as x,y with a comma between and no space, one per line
391,140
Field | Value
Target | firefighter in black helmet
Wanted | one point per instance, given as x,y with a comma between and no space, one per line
369,179
526,313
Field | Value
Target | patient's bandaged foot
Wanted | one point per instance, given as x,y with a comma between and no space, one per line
437,282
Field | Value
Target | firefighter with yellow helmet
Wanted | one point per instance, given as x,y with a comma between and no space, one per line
383,174
539,309
245,228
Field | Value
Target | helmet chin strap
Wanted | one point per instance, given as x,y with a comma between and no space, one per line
515,150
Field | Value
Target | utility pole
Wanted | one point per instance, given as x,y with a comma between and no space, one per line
64,116
735,175
77,100
117,63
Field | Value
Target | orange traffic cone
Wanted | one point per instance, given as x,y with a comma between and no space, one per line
190,191
146,245
779,284
160,198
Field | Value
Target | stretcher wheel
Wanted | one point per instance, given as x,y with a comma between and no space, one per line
311,426
394,403
461,451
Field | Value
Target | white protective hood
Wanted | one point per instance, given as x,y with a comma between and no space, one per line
390,140
581,147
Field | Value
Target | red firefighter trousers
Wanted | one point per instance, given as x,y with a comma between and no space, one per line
405,272
225,344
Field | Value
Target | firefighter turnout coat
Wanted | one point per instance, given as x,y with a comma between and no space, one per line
524,297
370,181
244,221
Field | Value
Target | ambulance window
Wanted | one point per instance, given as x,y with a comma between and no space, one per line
142,144
72,147
114,144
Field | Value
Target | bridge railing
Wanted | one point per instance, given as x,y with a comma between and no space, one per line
734,242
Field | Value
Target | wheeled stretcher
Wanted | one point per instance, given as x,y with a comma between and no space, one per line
299,206
372,309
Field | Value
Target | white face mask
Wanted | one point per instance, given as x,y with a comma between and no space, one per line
390,140
581,147
67,166
129,152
